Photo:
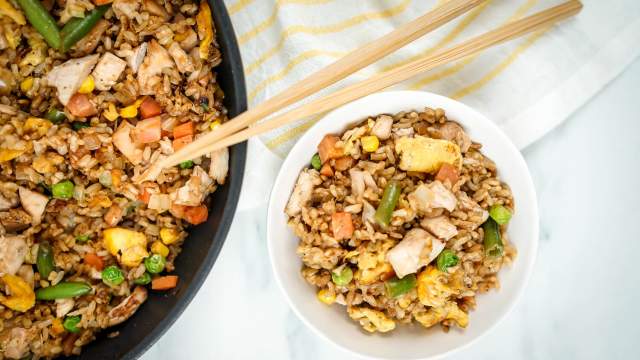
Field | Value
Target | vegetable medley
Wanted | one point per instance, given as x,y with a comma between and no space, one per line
92,92
400,219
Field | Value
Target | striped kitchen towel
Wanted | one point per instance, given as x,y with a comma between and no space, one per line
527,86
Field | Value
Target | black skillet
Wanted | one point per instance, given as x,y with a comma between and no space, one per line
201,249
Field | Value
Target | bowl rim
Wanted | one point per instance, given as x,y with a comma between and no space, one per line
528,181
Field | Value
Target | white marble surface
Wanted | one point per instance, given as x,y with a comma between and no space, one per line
580,303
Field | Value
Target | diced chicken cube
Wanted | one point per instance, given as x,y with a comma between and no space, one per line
155,61
194,191
440,226
360,180
125,8
67,77
122,140
108,70
219,167
453,132
12,252
15,341
417,249
63,307
302,191
182,60
382,127
190,40
433,196
34,203
159,202
135,59
127,307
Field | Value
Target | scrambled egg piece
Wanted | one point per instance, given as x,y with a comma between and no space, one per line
372,264
433,289
426,154
450,311
130,245
371,320
22,297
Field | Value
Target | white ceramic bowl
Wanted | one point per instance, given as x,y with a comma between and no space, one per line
406,342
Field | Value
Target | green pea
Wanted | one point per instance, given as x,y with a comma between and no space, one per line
70,324
342,277
77,125
44,260
154,264
446,259
143,280
500,214
62,190
56,116
396,287
63,290
315,162
186,164
82,238
112,275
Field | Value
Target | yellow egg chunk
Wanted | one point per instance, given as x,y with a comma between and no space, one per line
169,236
130,245
423,154
133,256
159,248
22,296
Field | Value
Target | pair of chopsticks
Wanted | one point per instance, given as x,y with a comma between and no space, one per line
239,129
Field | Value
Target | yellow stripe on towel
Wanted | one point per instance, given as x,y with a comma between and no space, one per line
238,6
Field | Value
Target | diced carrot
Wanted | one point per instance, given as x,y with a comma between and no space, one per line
144,194
80,106
177,210
102,2
341,225
327,148
94,260
179,143
150,108
182,130
326,170
56,326
447,172
148,130
196,214
164,282
344,163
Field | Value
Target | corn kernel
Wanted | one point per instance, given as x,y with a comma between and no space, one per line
159,248
326,296
169,236
111,114
56,326
129,112
370,143
116,175
26,84
87,85
214,125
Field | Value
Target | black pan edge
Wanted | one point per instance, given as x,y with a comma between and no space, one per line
193,265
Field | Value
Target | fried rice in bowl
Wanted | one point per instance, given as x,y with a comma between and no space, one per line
403,225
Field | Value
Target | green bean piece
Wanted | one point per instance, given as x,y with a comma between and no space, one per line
112,275
388,203
70,324
342,277
500,214
493,246
396,287
186,164
154,264
315,162
77,28
77,125
63,190
143,280
42,21
55,116
446,259
63,290
82,238
44,260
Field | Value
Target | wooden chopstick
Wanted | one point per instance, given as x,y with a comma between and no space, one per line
383,80
338,70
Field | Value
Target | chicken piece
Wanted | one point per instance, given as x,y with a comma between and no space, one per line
417,249
63,307
155,61
114,215
15,220
67,77
154,8
34,203
219,167
159,202
122,140
451,131
466,203
182,60
136,57
15,341
440,226
435,315
382,127
425,154
6,204
360,180
435,195
125,8
26,273
190,40
302,191
368,213
371,320
194,191
108,70
127,307
433,289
